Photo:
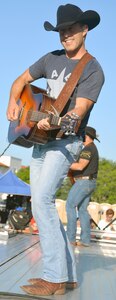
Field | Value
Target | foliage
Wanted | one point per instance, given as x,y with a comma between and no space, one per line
23,174
62,193
106,183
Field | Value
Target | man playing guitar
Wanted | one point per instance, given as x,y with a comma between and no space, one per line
51,161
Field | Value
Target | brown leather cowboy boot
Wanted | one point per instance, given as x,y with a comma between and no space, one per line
69,285
45,288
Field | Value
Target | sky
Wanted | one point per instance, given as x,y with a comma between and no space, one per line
23,40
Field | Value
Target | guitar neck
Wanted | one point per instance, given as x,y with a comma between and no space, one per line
37,116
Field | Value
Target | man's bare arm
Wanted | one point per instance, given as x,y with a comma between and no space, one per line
82,106
80,165
15,92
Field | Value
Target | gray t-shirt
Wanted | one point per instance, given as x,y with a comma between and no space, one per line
56,68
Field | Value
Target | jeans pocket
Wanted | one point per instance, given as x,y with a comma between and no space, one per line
75,148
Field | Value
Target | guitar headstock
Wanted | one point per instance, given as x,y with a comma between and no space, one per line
69,124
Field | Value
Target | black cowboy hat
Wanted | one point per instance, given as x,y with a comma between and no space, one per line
70,14
90,131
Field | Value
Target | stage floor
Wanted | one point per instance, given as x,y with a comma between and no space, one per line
21,259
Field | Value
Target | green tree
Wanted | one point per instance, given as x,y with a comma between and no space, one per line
106,183
62,193
23,174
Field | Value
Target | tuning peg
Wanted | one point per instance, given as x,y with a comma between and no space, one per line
74,115
69,132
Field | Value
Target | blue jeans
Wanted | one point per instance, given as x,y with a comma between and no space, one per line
78,198
49,166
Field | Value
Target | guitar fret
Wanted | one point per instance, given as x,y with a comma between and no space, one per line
37,116
55,120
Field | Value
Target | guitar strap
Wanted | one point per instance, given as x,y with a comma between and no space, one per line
68,88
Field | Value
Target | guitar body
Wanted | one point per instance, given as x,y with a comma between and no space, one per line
24,132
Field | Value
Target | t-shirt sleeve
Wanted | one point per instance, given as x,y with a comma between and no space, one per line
91,81
38,70
85,154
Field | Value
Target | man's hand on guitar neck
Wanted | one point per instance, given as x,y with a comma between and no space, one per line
66,123
44,124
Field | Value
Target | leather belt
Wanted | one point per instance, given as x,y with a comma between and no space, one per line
90,177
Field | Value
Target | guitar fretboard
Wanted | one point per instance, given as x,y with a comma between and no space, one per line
36,116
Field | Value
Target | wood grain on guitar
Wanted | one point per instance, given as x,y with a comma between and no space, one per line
35,105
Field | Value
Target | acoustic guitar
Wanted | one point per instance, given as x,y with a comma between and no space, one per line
35,105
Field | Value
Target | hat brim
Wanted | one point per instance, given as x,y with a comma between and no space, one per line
91,136
97,140
89,17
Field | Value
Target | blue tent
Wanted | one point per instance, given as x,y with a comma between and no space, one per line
11,184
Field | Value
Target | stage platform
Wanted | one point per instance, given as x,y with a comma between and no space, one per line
21,259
